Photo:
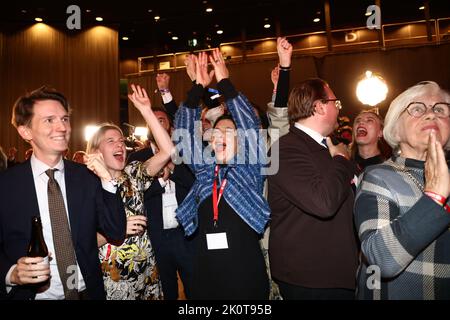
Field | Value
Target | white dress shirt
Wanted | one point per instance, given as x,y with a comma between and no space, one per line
310,132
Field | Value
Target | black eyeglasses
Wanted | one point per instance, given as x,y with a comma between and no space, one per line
418,109
337,102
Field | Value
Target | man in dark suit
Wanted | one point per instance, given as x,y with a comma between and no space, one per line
70,201
312,247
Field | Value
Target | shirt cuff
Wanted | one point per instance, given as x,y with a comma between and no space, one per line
109,186
8,279
162,182
227,89
167,97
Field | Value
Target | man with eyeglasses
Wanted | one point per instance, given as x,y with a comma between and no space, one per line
312,246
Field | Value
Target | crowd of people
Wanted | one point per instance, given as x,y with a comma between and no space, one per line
357,211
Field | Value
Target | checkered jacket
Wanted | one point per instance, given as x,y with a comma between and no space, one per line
405,240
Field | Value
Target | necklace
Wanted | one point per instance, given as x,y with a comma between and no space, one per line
416,182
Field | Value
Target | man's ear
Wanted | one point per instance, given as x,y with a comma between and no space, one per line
319,108
25,133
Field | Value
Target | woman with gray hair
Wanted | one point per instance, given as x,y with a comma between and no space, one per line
401,211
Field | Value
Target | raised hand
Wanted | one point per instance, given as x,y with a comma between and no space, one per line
201,70
284,49
162,81
190,66
219,65
274,75
436,170
140,98
96,164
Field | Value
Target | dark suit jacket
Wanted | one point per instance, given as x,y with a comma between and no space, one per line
90,209
183,178
312,243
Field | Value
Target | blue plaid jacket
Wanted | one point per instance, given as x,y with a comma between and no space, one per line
244,189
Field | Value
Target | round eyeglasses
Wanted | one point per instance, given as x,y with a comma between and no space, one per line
418,109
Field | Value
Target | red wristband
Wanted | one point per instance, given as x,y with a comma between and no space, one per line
437,197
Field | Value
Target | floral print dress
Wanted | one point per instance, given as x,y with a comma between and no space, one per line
129,270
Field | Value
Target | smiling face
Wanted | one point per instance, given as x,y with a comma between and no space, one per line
112,147
367,129
49,129
224,141
413,133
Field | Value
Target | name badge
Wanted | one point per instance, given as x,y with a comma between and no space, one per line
217,241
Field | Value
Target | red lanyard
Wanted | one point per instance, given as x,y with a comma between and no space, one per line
215,199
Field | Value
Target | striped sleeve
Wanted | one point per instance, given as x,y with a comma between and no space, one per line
390,238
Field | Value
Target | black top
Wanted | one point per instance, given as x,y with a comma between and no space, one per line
238,272
363,163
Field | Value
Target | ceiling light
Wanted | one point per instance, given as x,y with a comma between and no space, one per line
125,38
150,10
24,11
174,38
422,8
267,26
209,9
157,18
88,10
38,19
99,19
316,20
219,31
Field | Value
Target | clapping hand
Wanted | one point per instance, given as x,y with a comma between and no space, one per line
201,70
219,65
190,67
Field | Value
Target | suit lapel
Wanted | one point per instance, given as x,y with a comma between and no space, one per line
28,188
74,194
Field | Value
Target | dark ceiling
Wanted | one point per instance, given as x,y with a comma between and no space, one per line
188,19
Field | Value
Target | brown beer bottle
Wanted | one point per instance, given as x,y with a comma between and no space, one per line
37,246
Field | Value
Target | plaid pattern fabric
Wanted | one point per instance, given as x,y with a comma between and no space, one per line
405,241
244,190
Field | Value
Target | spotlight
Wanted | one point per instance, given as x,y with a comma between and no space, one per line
371,89
38,19
89,131
99,19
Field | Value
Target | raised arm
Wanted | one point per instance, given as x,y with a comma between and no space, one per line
237,104
284,49
162,82
141,101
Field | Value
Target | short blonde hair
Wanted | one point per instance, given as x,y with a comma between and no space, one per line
94,141
399,104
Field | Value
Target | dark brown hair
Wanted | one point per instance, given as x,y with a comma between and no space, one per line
23,108
302,98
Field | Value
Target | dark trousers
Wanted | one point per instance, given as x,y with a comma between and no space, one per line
294,292
174,253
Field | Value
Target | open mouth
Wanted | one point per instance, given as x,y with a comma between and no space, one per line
361,132
119,156
221,146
